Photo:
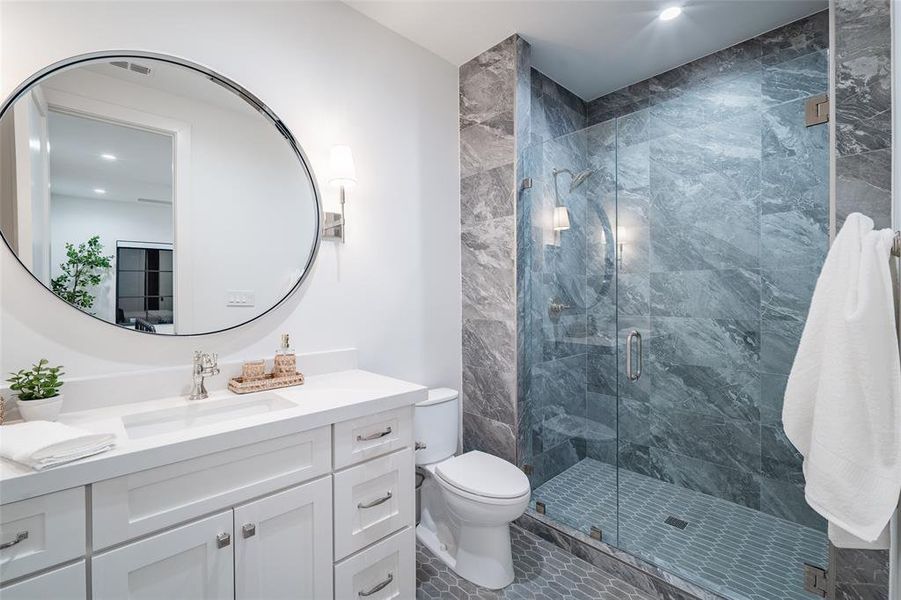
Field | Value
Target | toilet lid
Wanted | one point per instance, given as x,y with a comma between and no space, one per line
484,475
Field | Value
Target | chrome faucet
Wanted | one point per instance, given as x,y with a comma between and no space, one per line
205,365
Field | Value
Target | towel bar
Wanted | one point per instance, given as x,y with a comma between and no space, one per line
896,244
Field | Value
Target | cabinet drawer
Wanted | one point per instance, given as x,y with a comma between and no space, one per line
65,583
373,500
386,570
374,435
41,532
147,501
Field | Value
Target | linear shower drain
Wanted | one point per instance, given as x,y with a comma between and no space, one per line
675,522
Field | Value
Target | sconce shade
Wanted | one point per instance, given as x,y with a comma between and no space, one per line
342,171
561,218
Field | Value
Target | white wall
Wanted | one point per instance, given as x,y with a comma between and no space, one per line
75,220
333,76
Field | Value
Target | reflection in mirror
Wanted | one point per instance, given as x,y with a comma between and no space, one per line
151,195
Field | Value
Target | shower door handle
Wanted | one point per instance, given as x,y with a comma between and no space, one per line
632,373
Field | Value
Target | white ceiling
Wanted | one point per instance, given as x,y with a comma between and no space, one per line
142,169
591,47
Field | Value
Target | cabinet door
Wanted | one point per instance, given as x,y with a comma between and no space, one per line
284,545
194,561
65,583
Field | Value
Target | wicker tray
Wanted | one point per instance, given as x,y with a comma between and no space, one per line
270,382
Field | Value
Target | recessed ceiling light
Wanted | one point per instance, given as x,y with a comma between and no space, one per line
110,157
99,191
668,14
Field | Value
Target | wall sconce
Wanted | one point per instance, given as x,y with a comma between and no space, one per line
561,218
343,176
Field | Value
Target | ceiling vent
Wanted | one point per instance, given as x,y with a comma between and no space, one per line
133,67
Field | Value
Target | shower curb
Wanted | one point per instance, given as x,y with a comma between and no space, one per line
631,569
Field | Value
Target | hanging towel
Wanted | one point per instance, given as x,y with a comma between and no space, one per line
842,407
44,444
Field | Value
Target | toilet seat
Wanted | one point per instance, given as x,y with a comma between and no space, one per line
483,478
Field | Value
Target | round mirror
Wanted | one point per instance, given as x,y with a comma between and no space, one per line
154,194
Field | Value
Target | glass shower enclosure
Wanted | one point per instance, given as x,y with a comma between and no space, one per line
667,258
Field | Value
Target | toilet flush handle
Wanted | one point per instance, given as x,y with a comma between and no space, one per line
419,446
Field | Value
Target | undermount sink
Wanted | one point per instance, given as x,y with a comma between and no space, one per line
167,420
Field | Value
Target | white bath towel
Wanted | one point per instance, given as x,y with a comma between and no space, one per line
842,407
44,444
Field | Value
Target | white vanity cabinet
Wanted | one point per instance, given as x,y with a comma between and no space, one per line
320,514
192,561
283,544
276,547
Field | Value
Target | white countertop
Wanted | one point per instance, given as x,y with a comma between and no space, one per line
322,400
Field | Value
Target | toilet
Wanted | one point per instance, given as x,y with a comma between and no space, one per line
468,501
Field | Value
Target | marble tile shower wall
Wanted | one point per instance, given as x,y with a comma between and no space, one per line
863,172
491,109
722,225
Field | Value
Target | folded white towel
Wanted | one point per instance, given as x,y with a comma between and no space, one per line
842,406
44,444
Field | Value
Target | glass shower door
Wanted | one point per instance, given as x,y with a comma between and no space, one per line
722,228
568,328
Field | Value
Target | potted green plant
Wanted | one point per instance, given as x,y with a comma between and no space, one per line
84,269
38,391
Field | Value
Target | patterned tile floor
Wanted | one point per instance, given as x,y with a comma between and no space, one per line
741,553
543,572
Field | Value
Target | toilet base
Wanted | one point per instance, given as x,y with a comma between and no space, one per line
483,554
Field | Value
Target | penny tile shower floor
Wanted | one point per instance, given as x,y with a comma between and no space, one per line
741,553
543,572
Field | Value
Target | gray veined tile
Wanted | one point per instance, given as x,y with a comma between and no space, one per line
772,394
488,269
732,444
779,458
794,183
778,344
795,39
489,344
785,500
484,146
492,437
486,89
721,294
785,134
863,184
793,240
706,342
633,294
632,129
787,293
489,394
802,77
723,392
487,195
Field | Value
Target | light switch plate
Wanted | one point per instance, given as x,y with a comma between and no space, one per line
240,298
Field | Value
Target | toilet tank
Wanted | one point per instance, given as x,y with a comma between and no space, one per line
436,423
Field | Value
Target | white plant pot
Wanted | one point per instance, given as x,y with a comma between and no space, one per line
46,409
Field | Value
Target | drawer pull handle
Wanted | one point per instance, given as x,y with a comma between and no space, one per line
375,502
223,540
373,436
20,537
249,530
377,587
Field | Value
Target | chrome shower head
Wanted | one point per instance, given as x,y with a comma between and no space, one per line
576,180
579,178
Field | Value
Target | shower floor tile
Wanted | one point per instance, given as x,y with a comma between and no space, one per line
543,572
732,550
